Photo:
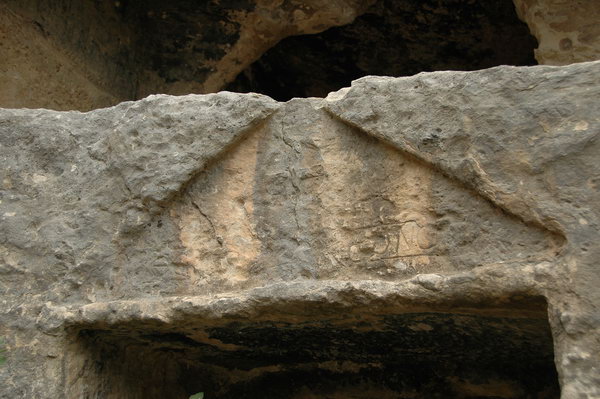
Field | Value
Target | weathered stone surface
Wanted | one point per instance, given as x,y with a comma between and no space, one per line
567,31
431,236
72,194
527,146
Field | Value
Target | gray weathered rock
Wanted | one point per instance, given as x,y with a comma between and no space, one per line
431,236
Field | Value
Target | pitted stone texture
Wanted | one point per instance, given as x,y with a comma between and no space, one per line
447,192
310,197
160,143
567,31
71,195
72,185
529,147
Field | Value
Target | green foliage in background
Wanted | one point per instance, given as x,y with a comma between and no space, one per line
2,358
199,395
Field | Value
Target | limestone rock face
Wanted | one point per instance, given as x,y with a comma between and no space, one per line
431,236
567,31
90,54
393,38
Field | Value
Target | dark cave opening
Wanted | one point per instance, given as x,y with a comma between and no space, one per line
439,354
133,48
393,38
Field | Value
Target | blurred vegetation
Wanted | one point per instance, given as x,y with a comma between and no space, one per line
2,351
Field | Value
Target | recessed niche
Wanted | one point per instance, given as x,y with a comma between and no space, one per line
417,354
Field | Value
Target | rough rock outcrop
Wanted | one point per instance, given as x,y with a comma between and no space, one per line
431,236
84,54
87,54
567,31
393,38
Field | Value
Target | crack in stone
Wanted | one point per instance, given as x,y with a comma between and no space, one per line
218,238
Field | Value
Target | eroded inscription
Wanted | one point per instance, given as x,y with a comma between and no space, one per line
319,199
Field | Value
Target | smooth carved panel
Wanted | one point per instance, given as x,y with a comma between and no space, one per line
308,196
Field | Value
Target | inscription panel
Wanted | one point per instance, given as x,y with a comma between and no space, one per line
314,198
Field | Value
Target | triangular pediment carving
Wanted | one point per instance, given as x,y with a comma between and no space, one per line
307,196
